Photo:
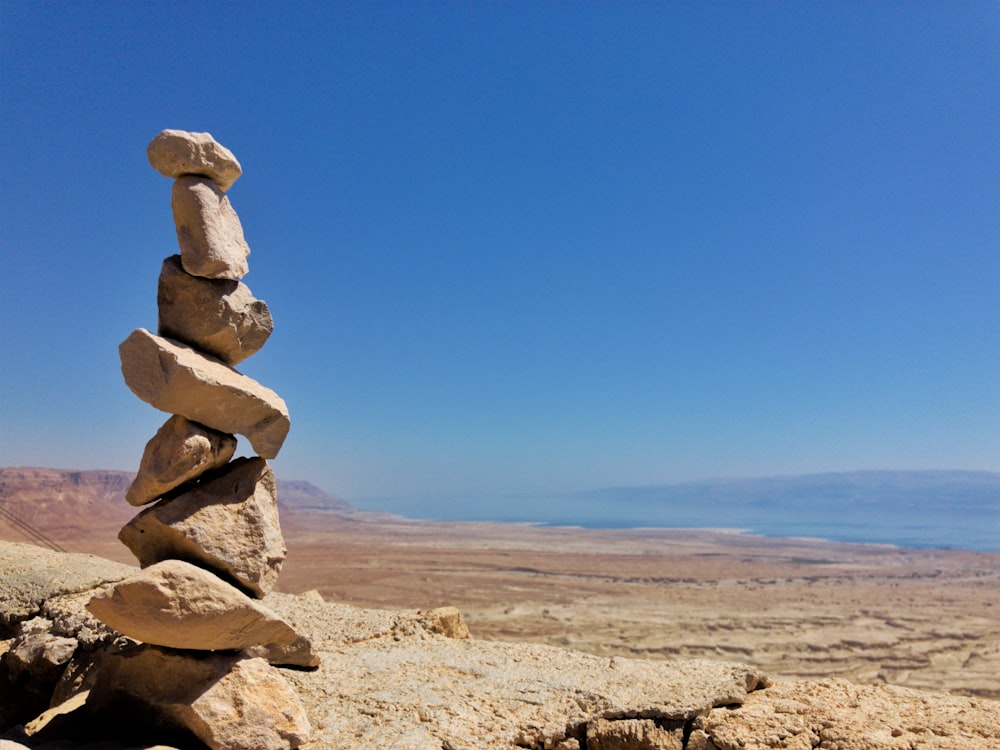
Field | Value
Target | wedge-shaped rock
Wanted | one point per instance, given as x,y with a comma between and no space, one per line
228,522
177,379
180,451
230,702
217,316
174,153
208,230
176,604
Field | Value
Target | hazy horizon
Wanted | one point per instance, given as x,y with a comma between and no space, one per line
517,249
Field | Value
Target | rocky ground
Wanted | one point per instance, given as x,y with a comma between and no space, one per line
410,679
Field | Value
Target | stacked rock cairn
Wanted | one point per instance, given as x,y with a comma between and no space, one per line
211,545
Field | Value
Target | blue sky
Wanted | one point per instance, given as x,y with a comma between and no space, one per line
524,247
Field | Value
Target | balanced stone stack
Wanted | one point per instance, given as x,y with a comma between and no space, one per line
211,545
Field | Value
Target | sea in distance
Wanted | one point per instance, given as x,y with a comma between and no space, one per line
915,509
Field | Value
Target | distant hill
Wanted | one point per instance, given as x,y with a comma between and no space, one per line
37,501
293,493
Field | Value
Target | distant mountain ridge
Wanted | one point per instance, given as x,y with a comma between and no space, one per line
46,498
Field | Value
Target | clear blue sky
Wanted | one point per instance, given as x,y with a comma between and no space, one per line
524,247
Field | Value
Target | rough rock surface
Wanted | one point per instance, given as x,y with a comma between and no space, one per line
635,734
835,713
177,379
36,649
181,450
175,604
230,702
446,621
31,576
228,522
209,232
174,153
217,316
389,681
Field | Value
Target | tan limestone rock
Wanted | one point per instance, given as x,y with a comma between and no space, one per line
230,702
388,681
174,153
177,379
228,522
38,653
634,734
208,230
839,714
217,316
446,621
181,450
31,575
178,605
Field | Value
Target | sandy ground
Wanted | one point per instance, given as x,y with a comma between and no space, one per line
796,608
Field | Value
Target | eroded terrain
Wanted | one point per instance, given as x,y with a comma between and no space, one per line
803,608
797,608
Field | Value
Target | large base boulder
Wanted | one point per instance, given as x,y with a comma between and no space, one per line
230,702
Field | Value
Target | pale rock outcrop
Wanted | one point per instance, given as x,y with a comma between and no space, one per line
37,652
833,713
228,522
634,734
181,450
446,621
175,378
176,604
209,232
175,153
31,577
217,316
230,702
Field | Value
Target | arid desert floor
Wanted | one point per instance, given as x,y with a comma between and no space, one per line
795,607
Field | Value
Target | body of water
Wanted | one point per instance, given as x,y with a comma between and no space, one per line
934,509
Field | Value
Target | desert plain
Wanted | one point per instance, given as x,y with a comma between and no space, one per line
797,608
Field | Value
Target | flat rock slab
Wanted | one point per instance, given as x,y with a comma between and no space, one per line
31,575
177,379
209,232
181,450
228,522
217,316
174,153
178,605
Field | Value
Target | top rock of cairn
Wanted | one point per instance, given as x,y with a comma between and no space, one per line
176,153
